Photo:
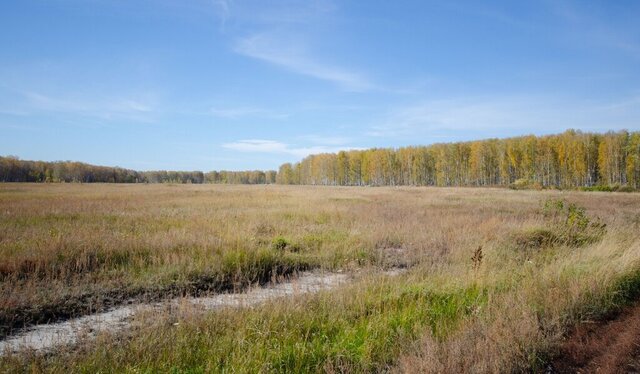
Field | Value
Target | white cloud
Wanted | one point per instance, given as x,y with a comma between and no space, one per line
257,145
289,55
272,146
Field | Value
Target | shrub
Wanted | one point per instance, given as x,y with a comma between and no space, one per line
626,189
566,224
614,188
600,188
521,184
552,208
536,239
280,243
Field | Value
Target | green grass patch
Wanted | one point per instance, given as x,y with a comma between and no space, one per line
362,334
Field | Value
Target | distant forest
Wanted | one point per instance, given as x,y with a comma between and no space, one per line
13,169
568,160
572,159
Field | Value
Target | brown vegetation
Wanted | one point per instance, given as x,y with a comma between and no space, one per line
608,346
497,277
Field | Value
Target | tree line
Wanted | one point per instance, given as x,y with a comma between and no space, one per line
241,177
12,169
568,160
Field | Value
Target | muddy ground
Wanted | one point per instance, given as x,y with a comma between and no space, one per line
49,336
611,345
74,306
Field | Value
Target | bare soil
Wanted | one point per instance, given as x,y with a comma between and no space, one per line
608,346
48,336
75,306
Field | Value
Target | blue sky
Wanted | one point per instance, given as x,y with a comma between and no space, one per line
234,84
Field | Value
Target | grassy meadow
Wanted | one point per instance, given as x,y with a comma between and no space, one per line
495,277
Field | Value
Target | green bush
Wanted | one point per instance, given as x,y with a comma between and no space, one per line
606,188
525,184
280,243
566,224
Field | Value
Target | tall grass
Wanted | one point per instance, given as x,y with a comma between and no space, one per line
453,311
69,250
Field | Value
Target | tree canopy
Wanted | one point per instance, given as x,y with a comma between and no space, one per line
570,159
12,169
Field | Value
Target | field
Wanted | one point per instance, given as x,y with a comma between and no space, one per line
495,279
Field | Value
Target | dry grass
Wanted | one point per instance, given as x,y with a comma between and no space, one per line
67,249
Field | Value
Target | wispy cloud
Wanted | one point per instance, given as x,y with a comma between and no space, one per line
282,35
491,12
13,112
590,29
274,12
273,146
223,11
22,127
135,107
327,140
288,55
627,103
243,112
257,145
447,115
501,116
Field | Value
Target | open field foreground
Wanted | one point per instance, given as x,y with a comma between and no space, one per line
496,280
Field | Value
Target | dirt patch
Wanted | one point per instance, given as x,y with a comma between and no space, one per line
70,307
608,346
46,337
74,306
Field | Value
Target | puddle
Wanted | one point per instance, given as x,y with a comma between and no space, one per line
47,336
